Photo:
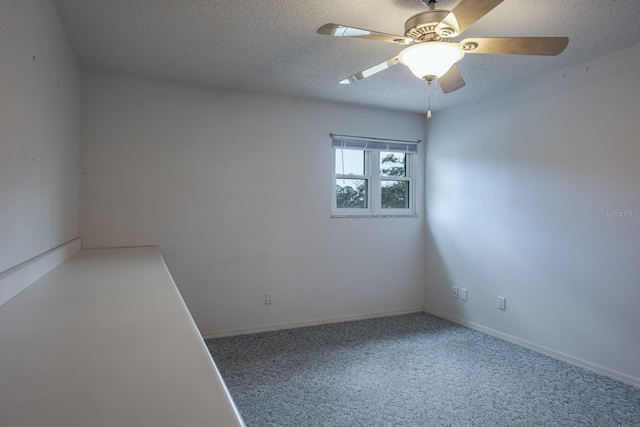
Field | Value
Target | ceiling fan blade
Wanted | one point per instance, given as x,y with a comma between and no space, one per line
468,12
451,80
338,30
547,46
369,71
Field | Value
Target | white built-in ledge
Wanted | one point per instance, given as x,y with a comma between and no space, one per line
105,339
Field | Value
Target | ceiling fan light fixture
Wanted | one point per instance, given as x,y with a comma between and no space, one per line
431,59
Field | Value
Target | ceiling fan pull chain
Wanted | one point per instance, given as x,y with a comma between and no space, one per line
429,101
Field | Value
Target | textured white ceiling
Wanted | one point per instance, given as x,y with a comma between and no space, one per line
271,45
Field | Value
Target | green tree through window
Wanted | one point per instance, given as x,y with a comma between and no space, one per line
351,196
394,193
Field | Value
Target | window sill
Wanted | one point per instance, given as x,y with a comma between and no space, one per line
411,215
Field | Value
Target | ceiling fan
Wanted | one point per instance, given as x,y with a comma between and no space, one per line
431,55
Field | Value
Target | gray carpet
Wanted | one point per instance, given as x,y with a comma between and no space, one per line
413,370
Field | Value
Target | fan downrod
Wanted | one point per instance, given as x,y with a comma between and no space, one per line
431,4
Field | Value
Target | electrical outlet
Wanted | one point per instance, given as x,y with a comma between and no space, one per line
268,298
502,303
463,294
454,292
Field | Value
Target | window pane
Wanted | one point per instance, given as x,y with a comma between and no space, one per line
393,164
351,193
350,162
395,194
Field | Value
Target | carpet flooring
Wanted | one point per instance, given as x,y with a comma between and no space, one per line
411,370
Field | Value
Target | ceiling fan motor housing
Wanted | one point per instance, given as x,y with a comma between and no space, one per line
431,25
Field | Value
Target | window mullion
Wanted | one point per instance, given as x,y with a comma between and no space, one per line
375,181
371,185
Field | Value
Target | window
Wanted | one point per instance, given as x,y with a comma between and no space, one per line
372,177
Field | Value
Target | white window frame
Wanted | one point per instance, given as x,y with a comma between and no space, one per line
374,184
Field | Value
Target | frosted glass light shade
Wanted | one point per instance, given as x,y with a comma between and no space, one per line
431,59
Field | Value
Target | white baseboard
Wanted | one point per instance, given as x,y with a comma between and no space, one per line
302,324
600,370
18,278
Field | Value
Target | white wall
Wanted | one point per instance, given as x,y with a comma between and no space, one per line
235,188
39,132
519,186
